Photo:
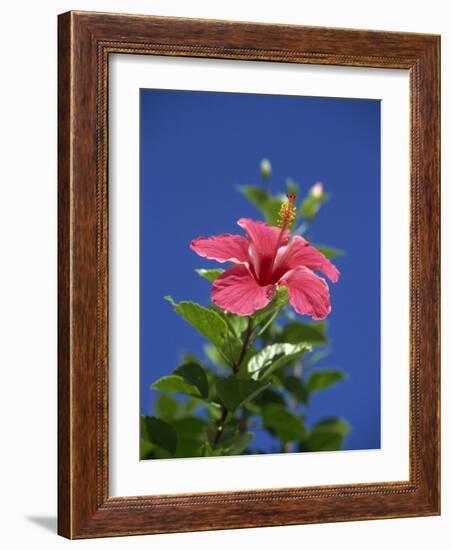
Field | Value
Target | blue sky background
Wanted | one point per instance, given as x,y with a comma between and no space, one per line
196,148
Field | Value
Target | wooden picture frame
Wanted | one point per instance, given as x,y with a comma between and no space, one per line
85,42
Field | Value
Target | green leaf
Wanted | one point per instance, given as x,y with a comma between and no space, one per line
145,444
215,356
297,388
269,396
208,450
311,205
176,384
145,449
161,433
166,407
319,380
271,335
210,274
282,423
255,195
207,321
271,210
195,375
234,391
330,252
266,361
143,427
297,332
333,424
279,300
228,434
188,379
237,323
214,411
187,357
240,443
191,434
315,358
269,206
327,435
286,359
189,406
232,440
232,347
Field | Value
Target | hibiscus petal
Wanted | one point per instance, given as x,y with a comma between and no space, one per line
308,293
237,291
264,241
223,248
300,253
262,235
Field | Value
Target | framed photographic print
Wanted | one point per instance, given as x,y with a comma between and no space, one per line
248,275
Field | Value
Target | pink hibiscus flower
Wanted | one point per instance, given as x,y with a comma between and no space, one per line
264,260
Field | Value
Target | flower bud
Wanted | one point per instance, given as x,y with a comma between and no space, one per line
317,190
266,169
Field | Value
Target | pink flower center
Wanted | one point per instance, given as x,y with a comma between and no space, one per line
286,216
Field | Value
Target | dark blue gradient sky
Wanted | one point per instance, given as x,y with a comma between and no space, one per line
196,147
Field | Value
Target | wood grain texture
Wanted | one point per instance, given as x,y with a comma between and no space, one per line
85,42
64,294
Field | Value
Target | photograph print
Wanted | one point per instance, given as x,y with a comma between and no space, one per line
259,274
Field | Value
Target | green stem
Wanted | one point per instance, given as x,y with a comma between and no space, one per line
220,425
302,228
287,447
267,323
246,342
236,367
228,337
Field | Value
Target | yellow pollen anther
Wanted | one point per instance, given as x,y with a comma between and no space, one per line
287,212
